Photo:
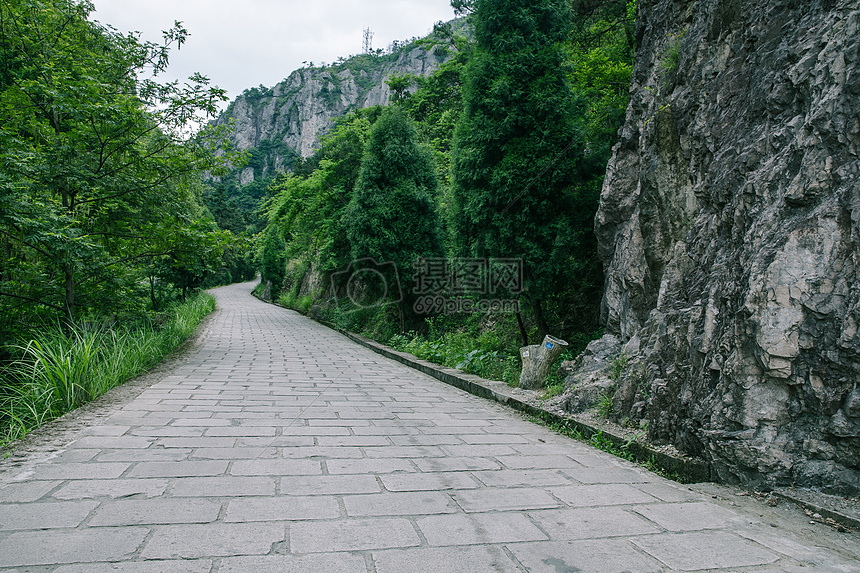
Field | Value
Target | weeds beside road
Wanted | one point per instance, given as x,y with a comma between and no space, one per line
63,369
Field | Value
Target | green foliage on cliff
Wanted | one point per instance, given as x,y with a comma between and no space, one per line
365,67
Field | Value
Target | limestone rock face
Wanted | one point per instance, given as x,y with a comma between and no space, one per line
286,121
729,227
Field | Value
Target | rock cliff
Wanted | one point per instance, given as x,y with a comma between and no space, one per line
286,121
729,227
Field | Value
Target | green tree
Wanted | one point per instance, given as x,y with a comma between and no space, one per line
198,253
226,210
97,174
437,103
595,21
400,84
519,147
392,216
600,54
600,57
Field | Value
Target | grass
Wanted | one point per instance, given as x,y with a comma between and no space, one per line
604,404
479,354
63,369
468,344
555,382
298,303
618,366
670,60
671,57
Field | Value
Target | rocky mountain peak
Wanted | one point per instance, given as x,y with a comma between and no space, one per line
284,122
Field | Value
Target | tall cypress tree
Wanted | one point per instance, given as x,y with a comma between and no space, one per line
517,147
392,216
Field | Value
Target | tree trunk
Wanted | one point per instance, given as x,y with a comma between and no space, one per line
69,265
152,294
523,334
538,360
69,272
543,329
5,272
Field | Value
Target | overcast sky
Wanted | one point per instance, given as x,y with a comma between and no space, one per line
242,44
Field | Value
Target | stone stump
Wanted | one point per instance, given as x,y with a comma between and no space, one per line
538,359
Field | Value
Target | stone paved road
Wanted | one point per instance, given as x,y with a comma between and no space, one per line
278,445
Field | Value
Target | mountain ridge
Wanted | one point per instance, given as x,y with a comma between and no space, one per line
281,124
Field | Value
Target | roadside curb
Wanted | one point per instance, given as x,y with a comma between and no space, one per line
815,503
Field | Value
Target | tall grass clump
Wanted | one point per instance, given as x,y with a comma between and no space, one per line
64,368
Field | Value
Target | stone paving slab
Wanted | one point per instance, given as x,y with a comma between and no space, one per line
154,512
23,492
60,514
480,529
331,562
352,535
216,539
48,547
711,550
276,444
594,556
282,508
446,560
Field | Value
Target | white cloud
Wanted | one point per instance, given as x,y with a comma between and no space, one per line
243,44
